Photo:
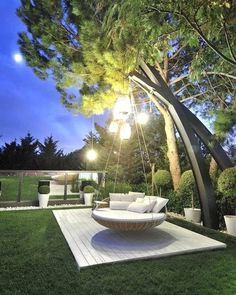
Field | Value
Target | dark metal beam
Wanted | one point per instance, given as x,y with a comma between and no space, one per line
189,128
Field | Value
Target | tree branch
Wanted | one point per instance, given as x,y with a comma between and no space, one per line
177,52
199,31
182,88
221,74
178,79
193,96
228,43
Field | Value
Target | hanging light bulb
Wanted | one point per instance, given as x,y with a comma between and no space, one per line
113,128
91,155
122,107
142,118
125,131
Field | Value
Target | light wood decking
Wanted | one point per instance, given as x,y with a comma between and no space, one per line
93,244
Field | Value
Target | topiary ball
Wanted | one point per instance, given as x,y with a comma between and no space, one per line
88,189
187,182
227,182
162,178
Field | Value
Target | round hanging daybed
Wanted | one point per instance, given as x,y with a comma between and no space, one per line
123,220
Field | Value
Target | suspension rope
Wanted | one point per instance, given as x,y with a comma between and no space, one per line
117,166
144,141
92,129
140,149
109,155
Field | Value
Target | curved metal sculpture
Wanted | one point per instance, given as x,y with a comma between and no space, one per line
191,130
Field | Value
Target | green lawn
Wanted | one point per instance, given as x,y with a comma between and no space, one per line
29,187
35,259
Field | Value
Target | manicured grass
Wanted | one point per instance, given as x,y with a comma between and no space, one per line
35,259
10,186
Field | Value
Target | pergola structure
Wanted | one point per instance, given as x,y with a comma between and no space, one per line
192,131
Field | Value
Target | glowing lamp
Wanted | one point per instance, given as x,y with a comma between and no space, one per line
91,155
113,128
142,118
125,131
122,107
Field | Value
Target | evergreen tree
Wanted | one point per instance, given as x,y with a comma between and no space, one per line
50,157
9,156
28,151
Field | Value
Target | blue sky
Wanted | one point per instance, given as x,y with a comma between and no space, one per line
28,104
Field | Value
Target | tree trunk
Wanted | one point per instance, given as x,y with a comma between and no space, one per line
213,168
172,152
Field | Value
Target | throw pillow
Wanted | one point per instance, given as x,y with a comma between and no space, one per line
138,207
116,196
160,203
151,201
137,195
139,200
119,205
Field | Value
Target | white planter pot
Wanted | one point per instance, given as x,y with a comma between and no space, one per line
193,215
88,199
43,200
230,221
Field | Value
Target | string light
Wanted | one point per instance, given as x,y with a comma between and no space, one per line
122,108
142,118
91,155
125,131
113,128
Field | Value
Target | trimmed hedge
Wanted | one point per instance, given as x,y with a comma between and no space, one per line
227,182
44,189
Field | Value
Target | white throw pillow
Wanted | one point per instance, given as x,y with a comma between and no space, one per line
116,196
151,201
138,207
119,205
139,200
136,195
160,203
127,198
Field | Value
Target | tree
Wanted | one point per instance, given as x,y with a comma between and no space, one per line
9,157
50,157
28,152
95,45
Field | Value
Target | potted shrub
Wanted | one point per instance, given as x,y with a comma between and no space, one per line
88,195
227,186
187,191
43,195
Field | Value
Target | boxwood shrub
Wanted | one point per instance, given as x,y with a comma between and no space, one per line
187,188
44,189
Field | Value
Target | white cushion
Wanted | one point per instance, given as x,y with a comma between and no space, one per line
139,200
138,207
127,198
116,196
151,201
160,203
137,195
119,205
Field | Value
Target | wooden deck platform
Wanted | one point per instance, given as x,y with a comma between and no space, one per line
93,244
